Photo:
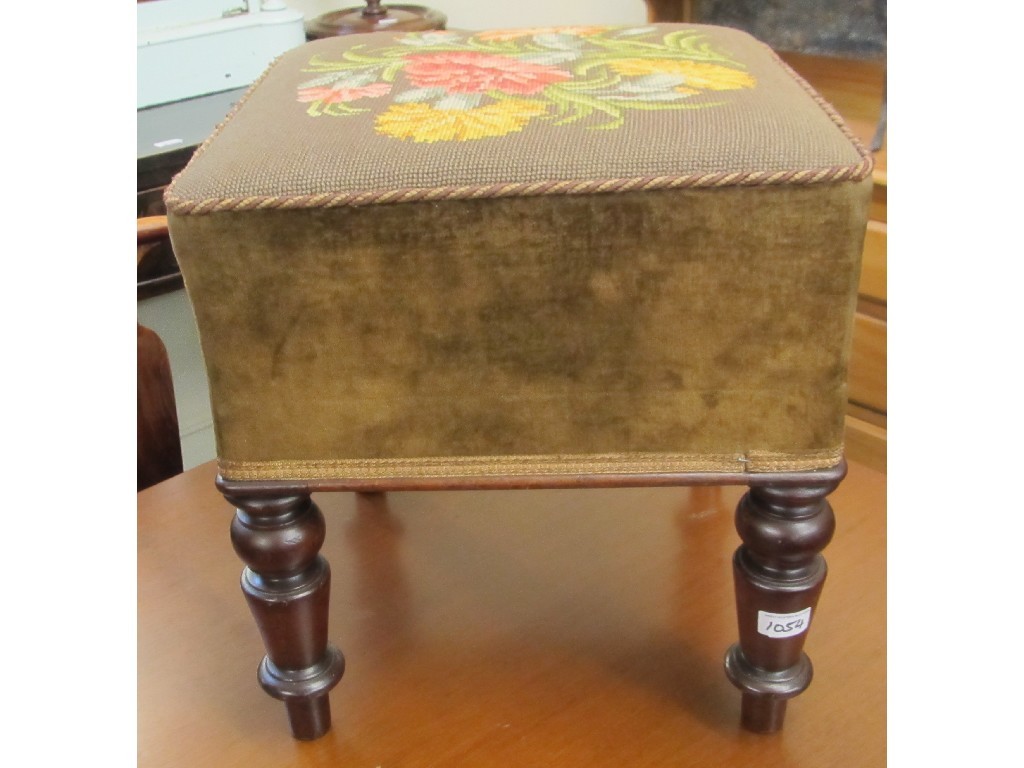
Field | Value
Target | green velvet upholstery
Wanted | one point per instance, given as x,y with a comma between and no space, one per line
647,266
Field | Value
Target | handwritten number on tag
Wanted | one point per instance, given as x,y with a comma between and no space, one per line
779,625
774,627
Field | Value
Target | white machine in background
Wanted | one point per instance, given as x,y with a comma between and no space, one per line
189,48
195,58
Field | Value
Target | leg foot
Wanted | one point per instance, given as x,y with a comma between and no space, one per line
287,585
763,714
779,574
765,693
309,718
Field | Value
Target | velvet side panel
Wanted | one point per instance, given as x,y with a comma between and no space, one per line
699,322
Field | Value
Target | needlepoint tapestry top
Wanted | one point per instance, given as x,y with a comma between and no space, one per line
447,85
388,118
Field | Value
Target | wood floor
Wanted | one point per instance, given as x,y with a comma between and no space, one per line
522,628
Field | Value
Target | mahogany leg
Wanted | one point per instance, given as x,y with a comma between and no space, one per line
287,585
779,573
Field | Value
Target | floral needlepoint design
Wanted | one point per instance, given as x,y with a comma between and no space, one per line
426,123
341,94
472,72
429,38
447,87
693,75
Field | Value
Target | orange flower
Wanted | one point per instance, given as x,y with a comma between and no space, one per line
472,72
503,35
336,95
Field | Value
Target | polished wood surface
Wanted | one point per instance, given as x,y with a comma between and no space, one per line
868,363
156,269
288,586
669,10
866,438
873,272
779,573
150,228
375,16
506,628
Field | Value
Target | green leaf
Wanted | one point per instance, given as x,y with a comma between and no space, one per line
400,51
316,65
630,47
656,106
604,79
390,73
571,108
583,106
351,55
497,47
342,110
694,46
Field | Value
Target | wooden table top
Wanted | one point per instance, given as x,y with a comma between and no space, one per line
506,628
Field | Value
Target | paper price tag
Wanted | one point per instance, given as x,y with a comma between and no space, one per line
783,624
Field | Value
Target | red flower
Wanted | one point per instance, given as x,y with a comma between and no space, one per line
471,72
336,95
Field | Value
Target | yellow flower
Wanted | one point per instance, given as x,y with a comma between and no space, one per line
424,123
698,74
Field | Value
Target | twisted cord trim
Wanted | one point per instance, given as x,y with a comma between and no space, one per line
804,177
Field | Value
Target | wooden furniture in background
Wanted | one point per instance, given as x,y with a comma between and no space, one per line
375,17
575,628
669,10
159,444
156,269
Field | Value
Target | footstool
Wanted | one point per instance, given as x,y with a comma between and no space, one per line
527,258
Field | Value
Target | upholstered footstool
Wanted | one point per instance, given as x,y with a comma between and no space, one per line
561,257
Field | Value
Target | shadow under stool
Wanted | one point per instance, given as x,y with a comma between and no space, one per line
566,257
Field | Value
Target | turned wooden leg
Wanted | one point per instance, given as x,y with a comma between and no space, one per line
779,574
287,585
